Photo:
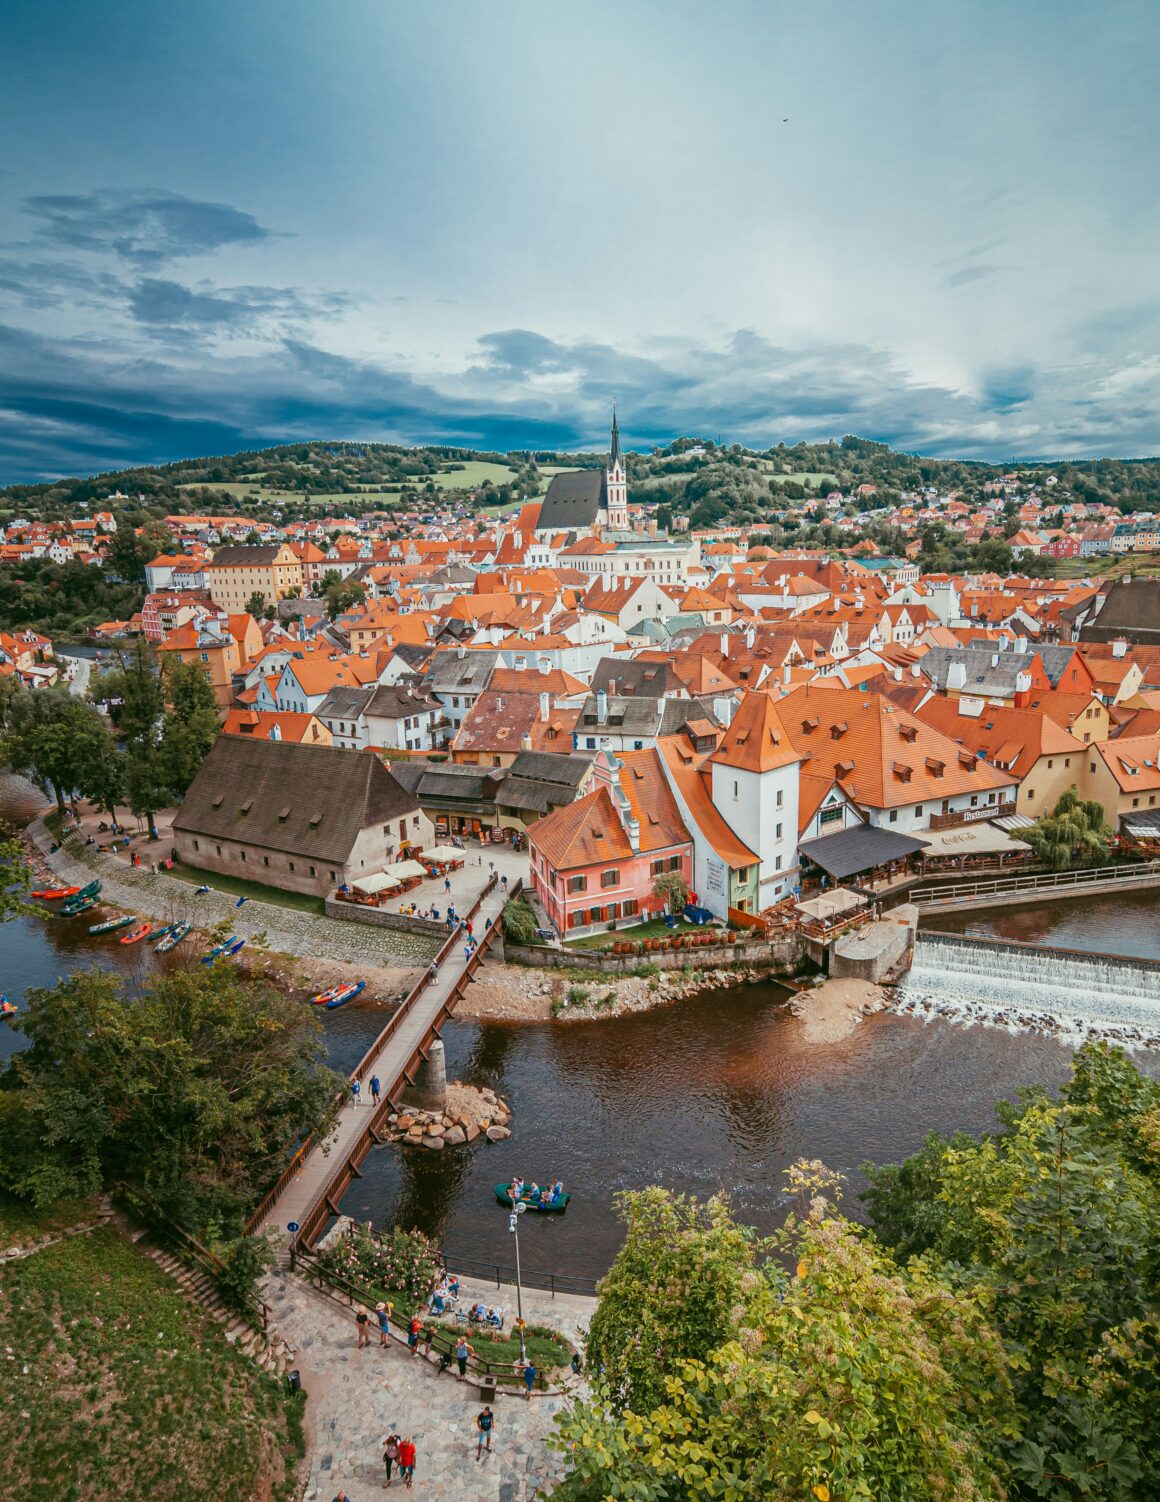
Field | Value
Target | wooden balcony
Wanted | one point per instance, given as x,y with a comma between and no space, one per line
971,815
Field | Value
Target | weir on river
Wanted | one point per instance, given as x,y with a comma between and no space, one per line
1018,985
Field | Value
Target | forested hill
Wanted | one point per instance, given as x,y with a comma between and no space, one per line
695,475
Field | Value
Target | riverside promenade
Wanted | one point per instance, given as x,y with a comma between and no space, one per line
358,1397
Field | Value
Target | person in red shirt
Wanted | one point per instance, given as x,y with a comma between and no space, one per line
407,1461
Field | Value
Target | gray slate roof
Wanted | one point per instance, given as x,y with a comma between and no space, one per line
303,800
990,670
859,849
573,500
450,673
630,675
1130,610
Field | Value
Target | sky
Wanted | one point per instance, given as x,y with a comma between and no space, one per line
229,225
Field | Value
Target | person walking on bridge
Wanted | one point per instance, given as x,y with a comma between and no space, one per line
376,1089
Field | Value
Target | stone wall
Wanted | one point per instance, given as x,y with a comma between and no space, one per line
379,917
878,951
783,955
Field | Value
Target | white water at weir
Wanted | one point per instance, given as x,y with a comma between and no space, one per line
1076,996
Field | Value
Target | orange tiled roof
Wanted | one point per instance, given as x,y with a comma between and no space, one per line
642,781
582,833
682,762
756,739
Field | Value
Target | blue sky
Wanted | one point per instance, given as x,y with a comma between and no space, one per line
229,224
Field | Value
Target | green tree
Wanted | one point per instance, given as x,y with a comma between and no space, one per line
854,1379
256,605
519,921
141,714
1076,827
63,745
671,889
190,724
191,1091
1058,1217
15,880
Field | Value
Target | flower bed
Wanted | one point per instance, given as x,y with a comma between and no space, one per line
399,1267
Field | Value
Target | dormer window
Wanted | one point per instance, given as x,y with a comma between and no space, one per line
246,807
934,766
809,726
283,814
218,801
901,771
908,733
838,729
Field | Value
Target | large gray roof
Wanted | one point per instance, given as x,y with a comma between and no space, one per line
573,500
303,800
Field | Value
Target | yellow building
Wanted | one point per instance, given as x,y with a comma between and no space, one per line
237,574
1124,775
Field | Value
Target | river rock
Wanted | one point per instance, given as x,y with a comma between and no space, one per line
471,1131
497,1133
436,1129
404,1123
455,1136
434,1143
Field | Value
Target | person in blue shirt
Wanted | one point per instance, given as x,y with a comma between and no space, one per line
530,1375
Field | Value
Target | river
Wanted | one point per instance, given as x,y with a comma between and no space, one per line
718,1091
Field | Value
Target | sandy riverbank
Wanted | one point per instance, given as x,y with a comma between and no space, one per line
832,1010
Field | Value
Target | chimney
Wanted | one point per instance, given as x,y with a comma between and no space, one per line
545,706
956,675
275,732
994,659
1022,690
545,666
652,529
724,644
750,637
896,674
785,672
461,651
1119,648
1021,645
632,830
601,707
525,741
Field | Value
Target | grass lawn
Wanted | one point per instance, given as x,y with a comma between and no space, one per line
236,887
121,1389
474,472
546,1347
20,1223
652,930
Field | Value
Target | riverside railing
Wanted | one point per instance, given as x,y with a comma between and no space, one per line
500,1273
443,1338
999,886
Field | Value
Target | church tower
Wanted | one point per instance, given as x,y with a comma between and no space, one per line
617,484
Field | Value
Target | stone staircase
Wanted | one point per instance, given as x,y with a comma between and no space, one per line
267,1348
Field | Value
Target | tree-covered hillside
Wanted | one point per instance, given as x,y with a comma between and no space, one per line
694,476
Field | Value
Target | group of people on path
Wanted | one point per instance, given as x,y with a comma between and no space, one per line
374,1085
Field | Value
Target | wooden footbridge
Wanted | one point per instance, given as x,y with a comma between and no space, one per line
308,1192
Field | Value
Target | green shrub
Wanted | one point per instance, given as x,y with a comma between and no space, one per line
519,922
578,996
399,1266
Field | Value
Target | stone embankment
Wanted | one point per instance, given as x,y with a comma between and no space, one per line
470,1113
517,993
156,895
832,1009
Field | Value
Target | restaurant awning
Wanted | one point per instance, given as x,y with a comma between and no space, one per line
1011,822
973,839
376,883
859,849
400,870
443,853
831,904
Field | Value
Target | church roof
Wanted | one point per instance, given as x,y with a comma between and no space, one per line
573,501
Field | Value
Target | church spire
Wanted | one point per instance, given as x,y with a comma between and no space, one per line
614,456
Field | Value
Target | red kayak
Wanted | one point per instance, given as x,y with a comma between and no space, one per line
138,933
54,894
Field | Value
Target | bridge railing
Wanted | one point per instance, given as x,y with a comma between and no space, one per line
325,1203
270,1198
1047,881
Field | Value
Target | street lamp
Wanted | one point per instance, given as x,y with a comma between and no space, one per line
514,1227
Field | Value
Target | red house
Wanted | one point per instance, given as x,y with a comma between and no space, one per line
593,862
